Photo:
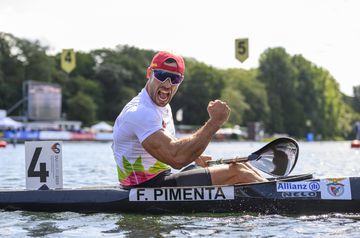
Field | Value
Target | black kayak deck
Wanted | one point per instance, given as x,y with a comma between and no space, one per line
290,195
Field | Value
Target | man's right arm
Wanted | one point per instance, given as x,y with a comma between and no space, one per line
181,152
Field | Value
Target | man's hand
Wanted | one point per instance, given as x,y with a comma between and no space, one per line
201,161
219,112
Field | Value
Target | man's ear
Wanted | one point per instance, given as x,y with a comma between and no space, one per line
148,73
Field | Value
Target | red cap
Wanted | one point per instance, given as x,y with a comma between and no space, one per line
158,62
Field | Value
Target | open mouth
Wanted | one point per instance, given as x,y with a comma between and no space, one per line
163,95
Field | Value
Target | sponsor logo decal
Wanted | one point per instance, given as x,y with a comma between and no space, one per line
181,194
298,194
56,148
336,188
297,186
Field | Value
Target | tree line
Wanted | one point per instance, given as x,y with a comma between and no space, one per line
288,94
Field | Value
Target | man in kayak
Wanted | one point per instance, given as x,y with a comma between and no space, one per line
144,143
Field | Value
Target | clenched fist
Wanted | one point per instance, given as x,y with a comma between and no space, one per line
219,112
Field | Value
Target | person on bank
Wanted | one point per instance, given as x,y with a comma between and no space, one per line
144,143
357,130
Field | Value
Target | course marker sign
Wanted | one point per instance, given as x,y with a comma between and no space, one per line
68,60
43,165
242,49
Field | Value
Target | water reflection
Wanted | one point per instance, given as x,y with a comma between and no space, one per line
42,229
133,225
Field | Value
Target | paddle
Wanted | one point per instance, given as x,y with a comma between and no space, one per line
278,158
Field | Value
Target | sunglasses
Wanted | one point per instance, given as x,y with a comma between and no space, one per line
164,75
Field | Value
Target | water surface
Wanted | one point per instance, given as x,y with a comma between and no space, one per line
89,164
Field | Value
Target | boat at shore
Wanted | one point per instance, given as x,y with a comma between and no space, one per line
355,144
299,194
3,144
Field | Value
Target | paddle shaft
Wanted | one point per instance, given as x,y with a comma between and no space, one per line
236,159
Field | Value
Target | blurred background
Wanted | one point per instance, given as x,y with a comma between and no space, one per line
66,66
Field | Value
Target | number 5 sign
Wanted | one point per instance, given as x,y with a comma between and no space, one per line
43,164
242,49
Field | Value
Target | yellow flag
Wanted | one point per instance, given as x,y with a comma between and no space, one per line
242,49
68,60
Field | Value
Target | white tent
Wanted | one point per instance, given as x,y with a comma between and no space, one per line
7,122
101,126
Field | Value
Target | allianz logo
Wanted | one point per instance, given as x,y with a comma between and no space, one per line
297,186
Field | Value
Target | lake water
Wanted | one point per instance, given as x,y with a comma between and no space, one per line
89,164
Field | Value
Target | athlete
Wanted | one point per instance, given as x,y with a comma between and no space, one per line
144,143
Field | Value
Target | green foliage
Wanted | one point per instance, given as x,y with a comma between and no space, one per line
246,96
12,70
82,107
279,75
202,83
356,100
121,74
300,92
236,102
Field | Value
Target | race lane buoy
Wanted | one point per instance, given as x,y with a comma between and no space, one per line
3,144
355,144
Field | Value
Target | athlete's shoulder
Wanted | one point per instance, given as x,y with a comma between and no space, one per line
138,112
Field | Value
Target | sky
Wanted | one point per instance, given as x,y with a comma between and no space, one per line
325,32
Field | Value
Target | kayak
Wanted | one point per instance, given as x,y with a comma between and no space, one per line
282,194
298,194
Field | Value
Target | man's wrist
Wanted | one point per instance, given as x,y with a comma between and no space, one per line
213,124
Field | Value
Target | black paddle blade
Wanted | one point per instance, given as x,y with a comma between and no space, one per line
277,158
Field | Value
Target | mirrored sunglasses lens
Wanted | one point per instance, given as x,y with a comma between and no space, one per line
176,80
162,76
